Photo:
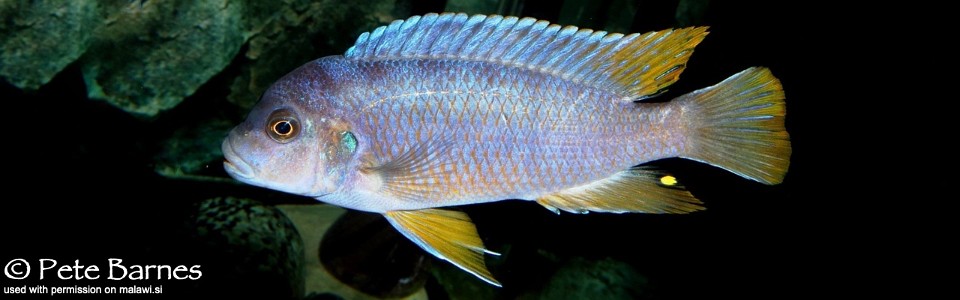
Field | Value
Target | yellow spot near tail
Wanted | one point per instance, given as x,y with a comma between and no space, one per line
668,180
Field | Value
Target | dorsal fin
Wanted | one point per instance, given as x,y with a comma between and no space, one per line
634,66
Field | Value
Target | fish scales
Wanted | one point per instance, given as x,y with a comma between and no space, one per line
510,132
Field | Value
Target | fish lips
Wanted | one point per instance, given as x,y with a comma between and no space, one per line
234,165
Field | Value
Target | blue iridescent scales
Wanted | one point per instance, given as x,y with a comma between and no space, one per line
449,109
509,133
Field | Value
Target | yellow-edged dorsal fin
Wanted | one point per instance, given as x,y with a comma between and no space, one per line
636,190
634,66
447,234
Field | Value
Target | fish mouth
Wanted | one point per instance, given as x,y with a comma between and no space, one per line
238,170
235,167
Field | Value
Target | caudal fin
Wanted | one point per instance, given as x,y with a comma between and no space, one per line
738,126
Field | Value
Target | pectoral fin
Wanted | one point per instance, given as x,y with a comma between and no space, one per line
446,234
636,190
415,173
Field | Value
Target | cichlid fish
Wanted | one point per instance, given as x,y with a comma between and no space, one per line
450,109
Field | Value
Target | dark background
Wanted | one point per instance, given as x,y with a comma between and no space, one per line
80,184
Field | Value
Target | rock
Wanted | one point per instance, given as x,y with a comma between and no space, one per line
248,248
313,222
593,279
147,56
302,31
362,250
150,55
194,149
38,39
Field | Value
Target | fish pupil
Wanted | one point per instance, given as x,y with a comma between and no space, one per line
283,128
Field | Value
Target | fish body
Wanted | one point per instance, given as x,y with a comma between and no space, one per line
497,132
446,110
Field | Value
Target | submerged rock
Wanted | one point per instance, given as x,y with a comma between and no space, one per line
247,248
194,150
593,279
147,56
150,55
314,222
362,250
38,39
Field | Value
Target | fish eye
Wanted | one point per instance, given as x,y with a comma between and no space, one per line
348,141
282,126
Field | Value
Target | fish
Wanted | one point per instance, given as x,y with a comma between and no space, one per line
443,110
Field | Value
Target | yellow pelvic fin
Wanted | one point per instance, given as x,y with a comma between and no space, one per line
447,234
636,190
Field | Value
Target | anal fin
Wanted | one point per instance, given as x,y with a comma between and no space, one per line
641,190
447,234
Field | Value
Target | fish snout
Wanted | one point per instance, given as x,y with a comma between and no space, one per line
235,166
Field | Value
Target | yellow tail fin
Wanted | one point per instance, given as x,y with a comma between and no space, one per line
738,126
